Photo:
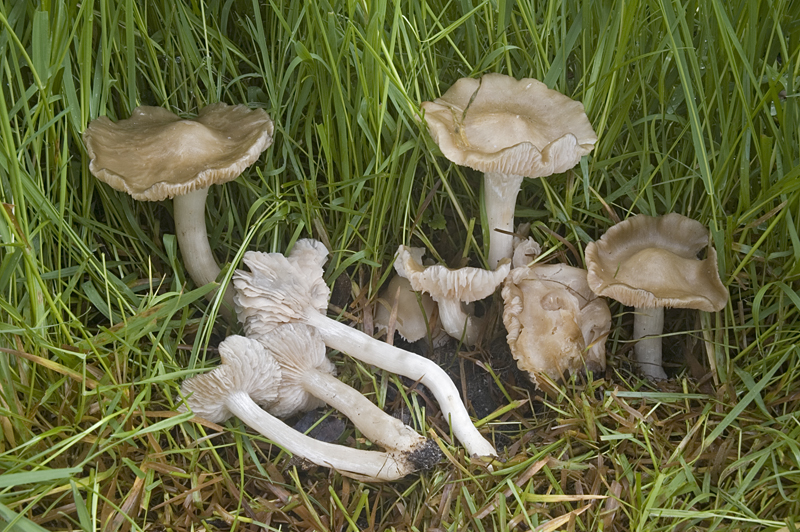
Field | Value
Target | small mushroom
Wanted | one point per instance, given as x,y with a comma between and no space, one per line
413,314
556,325
308,379
508,129
280,289
249,377
451,289
651,263
525,251
155,155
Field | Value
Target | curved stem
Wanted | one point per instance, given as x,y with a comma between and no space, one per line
499,199
375,424
648,324
374,465
190,226
367,349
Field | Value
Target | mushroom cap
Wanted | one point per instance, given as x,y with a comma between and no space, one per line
500,124
297,349
311,255
525,251
410,321
649,262
280,289
246,366
155,155
551,316
464,284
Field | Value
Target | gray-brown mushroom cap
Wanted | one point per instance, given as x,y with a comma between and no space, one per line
649,262
155,155
500,124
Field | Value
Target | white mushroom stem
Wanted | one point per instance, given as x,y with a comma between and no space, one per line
648,324
499,199
190,226
367,349
375,424
458,323
374,465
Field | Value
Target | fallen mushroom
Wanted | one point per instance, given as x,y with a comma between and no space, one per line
308,378
155,155
451,289
248,377
556,325
280,289
508,129
651,263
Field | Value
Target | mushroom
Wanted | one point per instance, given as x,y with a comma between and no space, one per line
280,289
451,289
308,378
525,251
413,314
651,263
247,378
555,323
155,155
508,129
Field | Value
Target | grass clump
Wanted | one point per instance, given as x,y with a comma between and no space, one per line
696,109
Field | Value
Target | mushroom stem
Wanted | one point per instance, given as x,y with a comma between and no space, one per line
648,324
375,465
458,323
367,349
375,424
499,198
190,226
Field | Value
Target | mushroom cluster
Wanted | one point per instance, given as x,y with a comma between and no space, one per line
282,289
555,315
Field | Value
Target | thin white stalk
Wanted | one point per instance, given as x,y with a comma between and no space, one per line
367,349
458,323
648,324
367,465
375,424
190,226
499,199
